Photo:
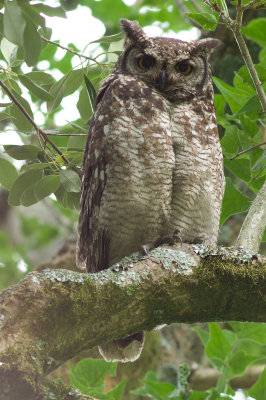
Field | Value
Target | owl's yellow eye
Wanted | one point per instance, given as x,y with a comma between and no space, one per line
145,62
184,68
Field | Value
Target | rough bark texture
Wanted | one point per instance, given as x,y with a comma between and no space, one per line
52,315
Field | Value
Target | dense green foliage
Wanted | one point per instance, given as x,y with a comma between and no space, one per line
230,351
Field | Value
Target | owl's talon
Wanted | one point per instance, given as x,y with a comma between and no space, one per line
170,239
146,248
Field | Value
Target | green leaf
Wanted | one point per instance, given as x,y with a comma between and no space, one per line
240,167
116,392
258,390
256,30
25,180
236,98
91,373
110,39
35,165
70,180
84,105
46,186
18,118
250,330
253,104
40,78
230,141
8,173
4,115
14,23
35,89
64,87
91,92
28,197
8,49
204,335
32,14
206,20
233,202
24,152
239,362
50,11
74,80
218,347
32,44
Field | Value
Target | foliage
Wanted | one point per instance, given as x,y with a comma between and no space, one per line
230,351
89,375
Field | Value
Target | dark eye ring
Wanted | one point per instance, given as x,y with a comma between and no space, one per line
145,62
184,68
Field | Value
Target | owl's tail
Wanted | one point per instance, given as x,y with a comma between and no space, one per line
123,350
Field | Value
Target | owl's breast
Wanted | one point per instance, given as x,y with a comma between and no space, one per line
138,150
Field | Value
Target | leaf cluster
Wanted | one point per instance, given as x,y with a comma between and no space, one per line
230,351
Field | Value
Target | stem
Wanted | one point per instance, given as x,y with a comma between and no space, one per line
68,49
247,150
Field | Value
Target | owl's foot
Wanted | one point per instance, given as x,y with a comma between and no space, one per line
123,350
170,239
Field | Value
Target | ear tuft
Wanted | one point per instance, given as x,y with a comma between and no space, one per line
208,45
134,33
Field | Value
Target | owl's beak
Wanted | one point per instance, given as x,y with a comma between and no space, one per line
162,79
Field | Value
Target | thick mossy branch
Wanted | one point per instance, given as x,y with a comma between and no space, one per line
51,316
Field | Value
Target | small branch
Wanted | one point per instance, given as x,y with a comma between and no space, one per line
68,49
247,150
66,134
254,224
252,5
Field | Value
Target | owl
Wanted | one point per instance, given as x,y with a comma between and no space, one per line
153,162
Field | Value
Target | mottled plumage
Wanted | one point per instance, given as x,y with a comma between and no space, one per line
153,162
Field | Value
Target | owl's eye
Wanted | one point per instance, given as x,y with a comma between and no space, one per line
145,62
184,68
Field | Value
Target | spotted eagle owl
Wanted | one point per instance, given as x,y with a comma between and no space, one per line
153,162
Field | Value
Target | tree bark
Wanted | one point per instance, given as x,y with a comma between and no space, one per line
52,315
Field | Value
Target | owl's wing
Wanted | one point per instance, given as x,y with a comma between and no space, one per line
93,243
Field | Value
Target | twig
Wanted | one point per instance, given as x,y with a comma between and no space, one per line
39,131
68,49
247,150
66,134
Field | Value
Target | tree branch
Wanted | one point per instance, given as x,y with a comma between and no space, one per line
52,315
247,150
253,227
69,49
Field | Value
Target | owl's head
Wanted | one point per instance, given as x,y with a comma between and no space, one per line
176,69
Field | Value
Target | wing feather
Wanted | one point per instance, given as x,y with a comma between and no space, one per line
92,242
